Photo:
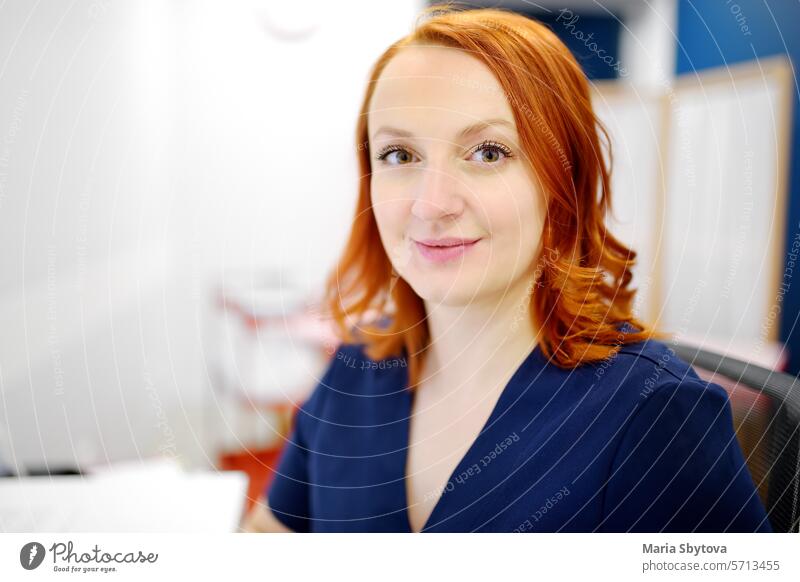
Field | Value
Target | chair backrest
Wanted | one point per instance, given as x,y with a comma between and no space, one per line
766,414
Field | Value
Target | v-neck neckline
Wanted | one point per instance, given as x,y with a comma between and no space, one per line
490,421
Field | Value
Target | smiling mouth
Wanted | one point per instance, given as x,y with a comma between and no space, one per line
444,250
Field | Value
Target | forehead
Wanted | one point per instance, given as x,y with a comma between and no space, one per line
435,89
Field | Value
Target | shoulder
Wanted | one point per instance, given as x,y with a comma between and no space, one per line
651,366
656,357
351,371
670,408
646,381
359,374
676,464
356,388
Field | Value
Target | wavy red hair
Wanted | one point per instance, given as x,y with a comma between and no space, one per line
581,292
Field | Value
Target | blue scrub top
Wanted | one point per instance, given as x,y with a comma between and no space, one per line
637,442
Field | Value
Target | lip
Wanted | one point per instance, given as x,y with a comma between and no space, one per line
445,249
447,242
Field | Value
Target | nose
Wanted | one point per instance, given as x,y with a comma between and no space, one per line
436,194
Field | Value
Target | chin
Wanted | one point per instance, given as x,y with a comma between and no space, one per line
449,293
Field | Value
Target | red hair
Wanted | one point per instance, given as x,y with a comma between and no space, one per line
581,295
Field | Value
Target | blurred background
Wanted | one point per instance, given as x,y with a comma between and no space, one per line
178,177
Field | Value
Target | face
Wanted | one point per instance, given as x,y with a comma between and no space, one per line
456,202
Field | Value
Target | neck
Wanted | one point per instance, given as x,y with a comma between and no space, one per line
474,344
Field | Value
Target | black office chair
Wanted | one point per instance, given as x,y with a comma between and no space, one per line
766,414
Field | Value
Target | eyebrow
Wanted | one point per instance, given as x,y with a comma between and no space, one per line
467,131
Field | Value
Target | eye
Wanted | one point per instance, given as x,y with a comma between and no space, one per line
490,152
403,157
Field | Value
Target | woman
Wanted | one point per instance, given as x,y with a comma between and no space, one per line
491,375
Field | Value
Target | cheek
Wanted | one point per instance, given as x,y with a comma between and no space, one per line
389,189
515,218
381,195
392,219
391,215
